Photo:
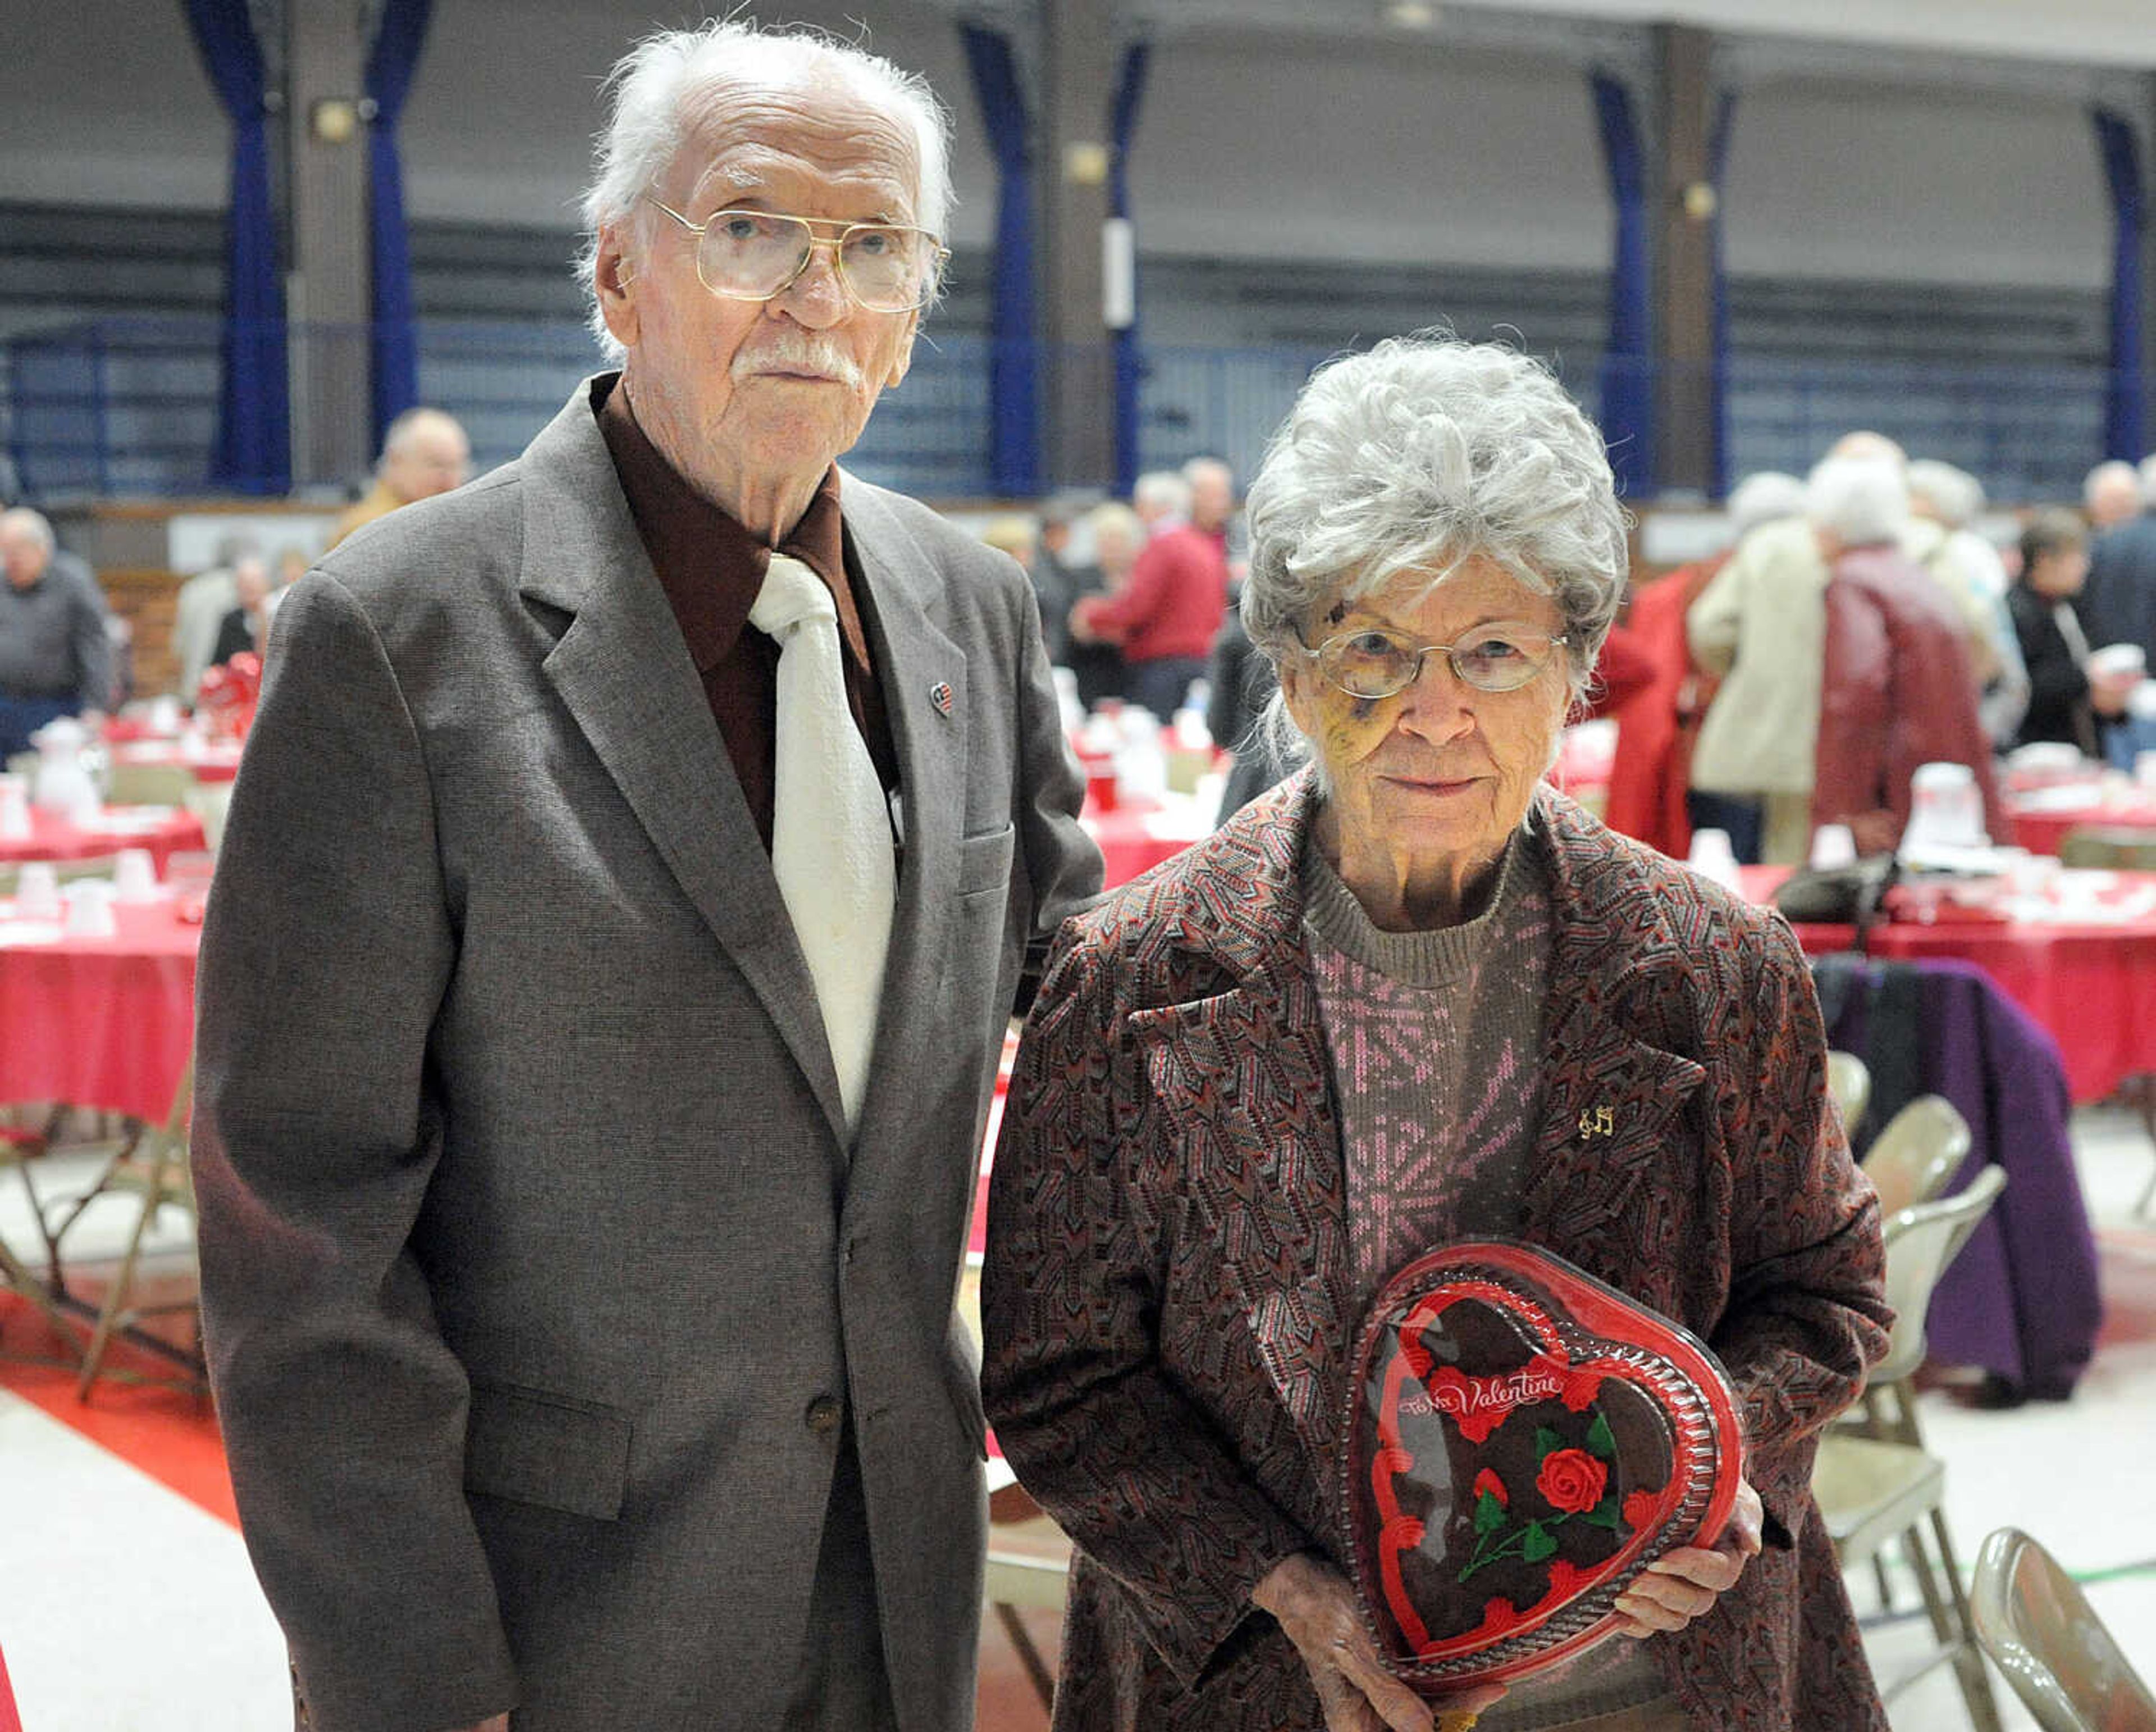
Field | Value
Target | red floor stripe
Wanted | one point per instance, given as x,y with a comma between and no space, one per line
167,1434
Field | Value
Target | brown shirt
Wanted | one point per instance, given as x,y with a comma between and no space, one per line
712,568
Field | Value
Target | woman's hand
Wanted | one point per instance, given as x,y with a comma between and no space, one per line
1684,1585
1314,1606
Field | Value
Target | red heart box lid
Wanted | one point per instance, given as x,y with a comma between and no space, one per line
1522,1440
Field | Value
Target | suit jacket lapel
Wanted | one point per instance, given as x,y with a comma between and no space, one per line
913,658
624,674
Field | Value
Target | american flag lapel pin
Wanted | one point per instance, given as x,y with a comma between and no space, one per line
941,695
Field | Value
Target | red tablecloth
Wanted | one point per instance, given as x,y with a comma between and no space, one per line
2041,831
99,1022
216,762
164,830
2092,985
1135,840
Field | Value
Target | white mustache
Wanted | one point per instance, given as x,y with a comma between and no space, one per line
797,352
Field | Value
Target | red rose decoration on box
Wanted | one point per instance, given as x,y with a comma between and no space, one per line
1521,1442
1572,1480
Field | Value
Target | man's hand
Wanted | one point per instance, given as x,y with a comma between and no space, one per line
1684,1585
500,1723
1314,1604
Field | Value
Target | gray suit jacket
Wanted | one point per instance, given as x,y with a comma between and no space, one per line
530,1240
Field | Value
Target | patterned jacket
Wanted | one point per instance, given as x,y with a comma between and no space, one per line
1166,1300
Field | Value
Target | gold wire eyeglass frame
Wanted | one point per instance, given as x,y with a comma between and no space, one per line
939,256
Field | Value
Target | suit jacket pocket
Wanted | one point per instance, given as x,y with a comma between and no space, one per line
984,860
554,1450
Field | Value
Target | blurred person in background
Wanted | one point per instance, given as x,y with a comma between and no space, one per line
199,611
1240,688
245,629
636,864
2066,704
1658,727
1166,618
1057,579
1018,535
1161,497
2111,494
1944,503
55,650
423,453
1760,626
1897,690
2118,605
1118,538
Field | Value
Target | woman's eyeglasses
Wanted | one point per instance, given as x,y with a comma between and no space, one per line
1372,661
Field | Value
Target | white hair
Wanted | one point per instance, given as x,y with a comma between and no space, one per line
1860,500
1417,455
33,523
1954,495
1162,490
652,86
1766,497
2107,474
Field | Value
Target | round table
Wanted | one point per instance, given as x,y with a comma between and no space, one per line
2085,970
213,762
98,1022
2041,825
164,830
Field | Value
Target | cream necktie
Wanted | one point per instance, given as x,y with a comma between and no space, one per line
830,835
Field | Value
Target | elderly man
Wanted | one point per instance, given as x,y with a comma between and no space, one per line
55,657
2111,494
618,920
1165,620
423,453
2119,605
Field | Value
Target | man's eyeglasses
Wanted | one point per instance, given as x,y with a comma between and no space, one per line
758,255
1373,662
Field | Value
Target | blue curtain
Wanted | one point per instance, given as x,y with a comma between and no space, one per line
1627,366
1122,127
2123,397
394,344
253,453
1717,162
1013,377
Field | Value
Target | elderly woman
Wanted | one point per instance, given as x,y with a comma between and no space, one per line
1414,996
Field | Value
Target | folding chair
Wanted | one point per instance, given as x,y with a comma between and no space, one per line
1849,1081
2055,1652
1885,1485
151,1167
1919,1152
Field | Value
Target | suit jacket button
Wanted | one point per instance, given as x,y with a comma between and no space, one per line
823,1416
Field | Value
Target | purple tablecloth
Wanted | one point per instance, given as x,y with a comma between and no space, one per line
2021,1300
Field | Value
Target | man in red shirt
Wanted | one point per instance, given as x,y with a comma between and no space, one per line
1165,617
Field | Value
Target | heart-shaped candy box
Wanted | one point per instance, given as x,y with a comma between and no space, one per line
1522,1440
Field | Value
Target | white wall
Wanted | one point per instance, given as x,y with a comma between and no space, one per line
1254,147
104,104
1929,185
